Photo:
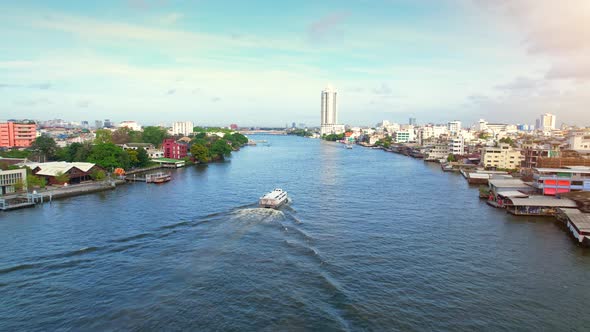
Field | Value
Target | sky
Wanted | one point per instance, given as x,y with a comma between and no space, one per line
265,63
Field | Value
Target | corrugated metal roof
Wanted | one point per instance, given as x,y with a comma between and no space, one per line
56,167
543,201
579,218
512,193
507,183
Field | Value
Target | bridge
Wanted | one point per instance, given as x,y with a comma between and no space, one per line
263,132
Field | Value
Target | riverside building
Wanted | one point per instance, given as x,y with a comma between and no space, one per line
502,156
329,115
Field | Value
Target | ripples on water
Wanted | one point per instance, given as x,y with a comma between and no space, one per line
371,241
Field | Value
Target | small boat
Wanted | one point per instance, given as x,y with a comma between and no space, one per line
349,146
158,178
273,199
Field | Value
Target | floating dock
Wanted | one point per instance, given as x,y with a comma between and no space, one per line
578,224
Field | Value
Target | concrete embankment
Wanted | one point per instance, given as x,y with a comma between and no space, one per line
77,190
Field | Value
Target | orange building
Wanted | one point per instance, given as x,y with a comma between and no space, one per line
17,134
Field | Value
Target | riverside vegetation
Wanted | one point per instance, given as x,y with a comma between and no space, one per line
105,151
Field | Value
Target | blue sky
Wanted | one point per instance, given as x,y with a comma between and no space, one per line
265,62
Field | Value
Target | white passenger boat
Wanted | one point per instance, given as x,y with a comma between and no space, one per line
273,199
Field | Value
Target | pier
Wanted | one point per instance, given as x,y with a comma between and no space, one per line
577,223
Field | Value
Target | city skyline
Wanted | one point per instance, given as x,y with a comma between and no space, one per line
151,61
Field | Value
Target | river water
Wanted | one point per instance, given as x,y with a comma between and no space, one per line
371,241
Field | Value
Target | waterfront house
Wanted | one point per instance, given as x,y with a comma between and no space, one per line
577,222
77,172
536,205
498,186
552,181
173,149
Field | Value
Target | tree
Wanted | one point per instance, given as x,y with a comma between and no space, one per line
62,178
451,158
103,136
19,185
121,135
154,135
98,175
109,156
200,152
45,146
133,158
333,137
142,157
220,149
15,154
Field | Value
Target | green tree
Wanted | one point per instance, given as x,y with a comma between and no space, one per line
103,136
451,158
19,185
142,157
154,135
220,149
109,156
15,154
45,146
98,175
333,137
61,178
200,152
133,158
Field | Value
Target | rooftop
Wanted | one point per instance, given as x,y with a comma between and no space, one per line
570,169
543,201
580,219
506,183
56,167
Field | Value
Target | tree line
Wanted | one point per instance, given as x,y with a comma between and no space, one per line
105,151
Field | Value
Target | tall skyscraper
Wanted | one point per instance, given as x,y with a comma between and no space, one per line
412,122
329,117
547,121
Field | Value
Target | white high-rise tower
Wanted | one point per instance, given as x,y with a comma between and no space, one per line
547,122
329,113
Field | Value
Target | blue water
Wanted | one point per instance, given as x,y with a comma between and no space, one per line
371,241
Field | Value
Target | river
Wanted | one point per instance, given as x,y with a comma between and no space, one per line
371,241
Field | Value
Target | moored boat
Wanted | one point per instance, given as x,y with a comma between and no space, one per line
161,179
273,199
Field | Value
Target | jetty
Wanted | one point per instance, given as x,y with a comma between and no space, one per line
577,223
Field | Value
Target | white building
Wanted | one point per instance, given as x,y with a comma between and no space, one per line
182,128
430,131
131,125
547,122
11,179
403,136
329,116
457,145
580,142
454,126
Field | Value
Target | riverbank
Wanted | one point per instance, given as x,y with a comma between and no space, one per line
516,195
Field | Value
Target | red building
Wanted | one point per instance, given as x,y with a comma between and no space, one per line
233,126
173,149
17,134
